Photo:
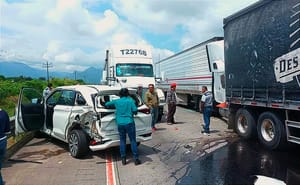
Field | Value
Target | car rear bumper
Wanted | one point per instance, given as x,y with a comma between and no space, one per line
113,143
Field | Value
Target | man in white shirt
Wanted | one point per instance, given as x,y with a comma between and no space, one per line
206,109
47,90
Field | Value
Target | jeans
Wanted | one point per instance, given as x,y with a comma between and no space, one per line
3,144
206,117
154,114
130,130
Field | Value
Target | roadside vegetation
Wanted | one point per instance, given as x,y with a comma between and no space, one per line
10,89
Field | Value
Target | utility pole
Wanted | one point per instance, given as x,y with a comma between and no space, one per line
75,75
47,65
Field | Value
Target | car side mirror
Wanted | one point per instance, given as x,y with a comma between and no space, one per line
35,100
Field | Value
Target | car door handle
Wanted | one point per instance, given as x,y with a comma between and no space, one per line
65,109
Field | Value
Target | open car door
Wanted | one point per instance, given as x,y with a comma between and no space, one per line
29,111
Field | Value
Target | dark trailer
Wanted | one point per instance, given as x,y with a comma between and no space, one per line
262,67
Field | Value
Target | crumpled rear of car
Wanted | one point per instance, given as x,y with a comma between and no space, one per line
104,131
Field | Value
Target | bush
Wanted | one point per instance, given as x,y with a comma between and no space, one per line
10,89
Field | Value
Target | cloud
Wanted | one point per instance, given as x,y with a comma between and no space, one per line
107,24
200,19
72,33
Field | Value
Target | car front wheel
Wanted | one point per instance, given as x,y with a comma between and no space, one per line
78,143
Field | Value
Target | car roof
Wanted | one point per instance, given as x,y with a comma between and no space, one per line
87,90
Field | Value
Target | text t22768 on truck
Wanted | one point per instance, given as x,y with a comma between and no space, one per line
262,67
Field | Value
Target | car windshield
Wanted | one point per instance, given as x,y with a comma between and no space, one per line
145,70
102,99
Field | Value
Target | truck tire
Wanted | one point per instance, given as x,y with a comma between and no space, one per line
78,143
245,124
271,131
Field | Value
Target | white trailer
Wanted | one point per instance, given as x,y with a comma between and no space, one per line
131,66
192,68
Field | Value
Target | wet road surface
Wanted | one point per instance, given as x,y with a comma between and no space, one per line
177,154
239,162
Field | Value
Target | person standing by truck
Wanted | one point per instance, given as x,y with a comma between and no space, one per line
171,101
47,90
4,129
206,109
125,109
152,101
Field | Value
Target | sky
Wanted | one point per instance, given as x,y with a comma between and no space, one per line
73,35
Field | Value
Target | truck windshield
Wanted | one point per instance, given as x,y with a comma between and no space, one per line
145,70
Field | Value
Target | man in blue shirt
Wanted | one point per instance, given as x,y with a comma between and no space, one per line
4,129
125,109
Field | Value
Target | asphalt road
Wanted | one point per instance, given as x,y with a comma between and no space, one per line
166,159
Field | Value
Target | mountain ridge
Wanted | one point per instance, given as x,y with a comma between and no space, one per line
91,75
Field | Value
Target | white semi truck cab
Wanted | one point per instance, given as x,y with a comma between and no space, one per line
128,66
131,66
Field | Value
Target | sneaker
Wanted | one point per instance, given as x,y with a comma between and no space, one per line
137,162
205,133
124,160
169,123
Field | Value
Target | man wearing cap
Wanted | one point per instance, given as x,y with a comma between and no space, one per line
171,101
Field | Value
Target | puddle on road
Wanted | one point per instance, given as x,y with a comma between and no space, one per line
240,162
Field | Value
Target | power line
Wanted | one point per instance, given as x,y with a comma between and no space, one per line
47,65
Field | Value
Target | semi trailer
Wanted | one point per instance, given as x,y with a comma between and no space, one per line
262,68
200,65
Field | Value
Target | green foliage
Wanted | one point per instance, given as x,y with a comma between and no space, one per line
10,89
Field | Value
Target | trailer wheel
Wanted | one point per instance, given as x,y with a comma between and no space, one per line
271,131
245,124
78,143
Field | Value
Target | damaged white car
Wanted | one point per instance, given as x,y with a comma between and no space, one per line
77,116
